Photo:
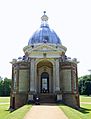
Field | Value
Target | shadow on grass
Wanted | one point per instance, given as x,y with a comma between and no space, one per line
9,111
84,110
81,109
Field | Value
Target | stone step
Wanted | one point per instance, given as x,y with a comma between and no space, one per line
47,98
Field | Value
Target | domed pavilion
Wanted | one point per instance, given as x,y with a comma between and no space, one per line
44,71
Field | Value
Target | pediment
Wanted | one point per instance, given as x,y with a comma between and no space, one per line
44,48
51,50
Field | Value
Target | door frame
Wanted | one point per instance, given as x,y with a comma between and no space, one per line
45,88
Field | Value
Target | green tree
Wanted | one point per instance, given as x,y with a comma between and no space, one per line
6,87
88,87
1,87
85,85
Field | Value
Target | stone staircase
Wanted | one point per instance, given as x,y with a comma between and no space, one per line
47,98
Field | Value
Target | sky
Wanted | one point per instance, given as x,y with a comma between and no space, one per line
70,19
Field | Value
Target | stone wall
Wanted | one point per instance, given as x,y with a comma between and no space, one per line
71,100
20,84
66,80
23,80
69,84
19,100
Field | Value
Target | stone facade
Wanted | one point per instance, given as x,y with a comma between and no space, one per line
44,71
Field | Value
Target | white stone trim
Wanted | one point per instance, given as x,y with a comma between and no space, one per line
57,87
32,76
49,71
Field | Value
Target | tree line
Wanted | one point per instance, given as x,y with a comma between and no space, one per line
85,85
5,86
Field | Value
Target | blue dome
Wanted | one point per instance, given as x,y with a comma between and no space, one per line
44,34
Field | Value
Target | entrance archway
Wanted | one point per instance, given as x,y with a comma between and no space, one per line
45,77
44,82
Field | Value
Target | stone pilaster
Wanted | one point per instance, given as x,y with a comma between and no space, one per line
57,86
35,71
54,77
32,72
16,78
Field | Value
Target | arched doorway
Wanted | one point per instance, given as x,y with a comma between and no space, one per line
44,82
44,77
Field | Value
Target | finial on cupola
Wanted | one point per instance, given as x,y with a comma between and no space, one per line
44,17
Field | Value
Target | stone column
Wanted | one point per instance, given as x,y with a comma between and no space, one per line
32,79
54,77
35,76
16,78
57,83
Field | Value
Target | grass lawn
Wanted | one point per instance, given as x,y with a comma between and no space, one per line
84,98
5,113
4,99
85,110
84,113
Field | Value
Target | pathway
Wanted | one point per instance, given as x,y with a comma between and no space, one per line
4,103
85,102
45,112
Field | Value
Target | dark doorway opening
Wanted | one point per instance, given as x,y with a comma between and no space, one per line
44,82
